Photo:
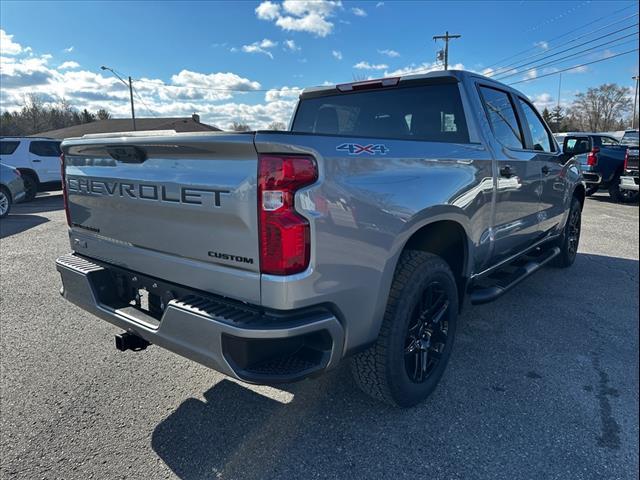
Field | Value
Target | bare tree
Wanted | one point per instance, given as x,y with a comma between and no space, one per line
602,108
277,126
239,127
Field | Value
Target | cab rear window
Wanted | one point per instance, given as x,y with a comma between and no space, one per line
431,113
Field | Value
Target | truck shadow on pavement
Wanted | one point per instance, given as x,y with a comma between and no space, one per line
503,393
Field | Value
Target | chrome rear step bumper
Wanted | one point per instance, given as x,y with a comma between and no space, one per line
239,340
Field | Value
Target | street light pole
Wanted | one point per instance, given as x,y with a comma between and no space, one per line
130,85
635,103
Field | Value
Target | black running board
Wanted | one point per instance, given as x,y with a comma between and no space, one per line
486,294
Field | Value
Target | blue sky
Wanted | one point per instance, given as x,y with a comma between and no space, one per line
56,48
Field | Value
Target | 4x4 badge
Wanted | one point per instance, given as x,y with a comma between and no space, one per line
356,149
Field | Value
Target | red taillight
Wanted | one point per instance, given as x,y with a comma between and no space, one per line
626,159
65,200
592,158
284,234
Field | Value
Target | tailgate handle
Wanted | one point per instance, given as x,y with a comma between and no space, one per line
127,154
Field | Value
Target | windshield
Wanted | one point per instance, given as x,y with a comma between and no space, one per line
630,138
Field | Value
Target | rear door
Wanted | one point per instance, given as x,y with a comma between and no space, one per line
516,220
44,156
544,153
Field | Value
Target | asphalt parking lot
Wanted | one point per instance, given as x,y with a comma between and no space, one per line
543,384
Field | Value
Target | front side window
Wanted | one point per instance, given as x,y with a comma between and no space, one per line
8,147
431,113
540,136
45,148
502,117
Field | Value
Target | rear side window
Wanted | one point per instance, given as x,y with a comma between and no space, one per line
45,148
502,117
539,134
608,141
8,147
431,113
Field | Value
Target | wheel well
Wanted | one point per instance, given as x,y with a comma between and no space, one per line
448,240
580,193
28,171
7,192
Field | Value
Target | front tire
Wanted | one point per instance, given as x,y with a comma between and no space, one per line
5,202
570,238
416,338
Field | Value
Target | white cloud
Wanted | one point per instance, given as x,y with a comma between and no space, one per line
260,47
417,69
488,72
379,4
531,74
268,11
69,64
309,16
389,53
358,12
291,45
580,69
282,93
543,100
211,94
7,45
368,66
337,54
542,44
69,49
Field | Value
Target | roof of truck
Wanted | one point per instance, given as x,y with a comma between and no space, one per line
454,75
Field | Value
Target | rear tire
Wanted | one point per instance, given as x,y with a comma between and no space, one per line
622,196
570,238
413,348
5,202
591,189
30,186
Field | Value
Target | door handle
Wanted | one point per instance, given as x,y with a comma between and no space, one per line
546,170
36,160
506,171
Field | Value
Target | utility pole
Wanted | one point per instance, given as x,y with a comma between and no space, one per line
446,37
635,103
133,112
558,107
130,85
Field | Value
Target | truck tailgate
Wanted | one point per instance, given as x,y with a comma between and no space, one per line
179,206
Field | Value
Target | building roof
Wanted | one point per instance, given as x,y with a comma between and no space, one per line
113,125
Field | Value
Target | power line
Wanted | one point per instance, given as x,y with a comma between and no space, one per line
144,103
566,34
572,55
608,34
576,66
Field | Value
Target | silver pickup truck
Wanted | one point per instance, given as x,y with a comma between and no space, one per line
272,256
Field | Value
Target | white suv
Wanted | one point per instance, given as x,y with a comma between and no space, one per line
37,158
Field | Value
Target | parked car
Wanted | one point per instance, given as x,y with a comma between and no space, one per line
11,188
629,180
271,256
602,160
38,160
